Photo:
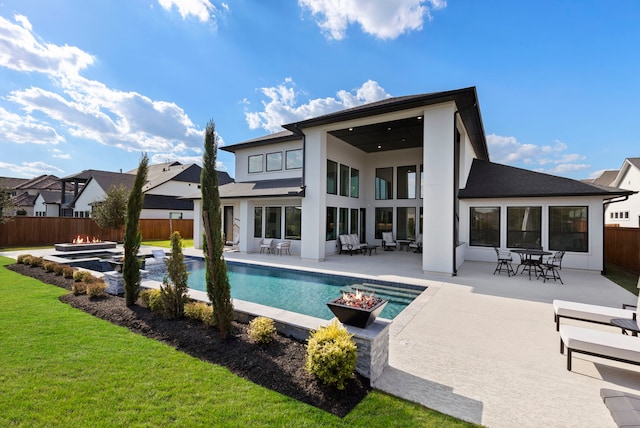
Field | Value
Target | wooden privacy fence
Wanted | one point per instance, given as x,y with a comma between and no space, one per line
622,247
37,231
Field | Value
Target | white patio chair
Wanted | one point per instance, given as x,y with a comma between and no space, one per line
388,241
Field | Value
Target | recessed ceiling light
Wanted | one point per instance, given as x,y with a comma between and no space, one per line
379,146
389,129
350,129
419,117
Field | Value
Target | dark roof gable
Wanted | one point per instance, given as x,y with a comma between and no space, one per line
492,180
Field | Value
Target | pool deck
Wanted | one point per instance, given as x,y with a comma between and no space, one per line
483,347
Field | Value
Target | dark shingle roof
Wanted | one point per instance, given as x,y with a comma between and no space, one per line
278,137
50,196
8,183
266,188
24,200
492,180
162,202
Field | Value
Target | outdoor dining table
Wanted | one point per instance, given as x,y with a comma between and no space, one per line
526,255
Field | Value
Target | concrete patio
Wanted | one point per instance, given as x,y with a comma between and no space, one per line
483,347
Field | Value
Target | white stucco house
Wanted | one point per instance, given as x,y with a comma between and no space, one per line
408,165
626,213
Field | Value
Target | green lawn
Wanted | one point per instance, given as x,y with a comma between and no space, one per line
62,367
622,277
166,243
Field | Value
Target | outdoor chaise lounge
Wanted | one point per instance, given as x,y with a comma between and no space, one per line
590,313
598,343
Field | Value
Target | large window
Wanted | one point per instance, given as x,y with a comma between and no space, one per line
406,223
293,159
343,227
355,183
384,183
332,212
344,180
273,222
274,161
353,226
568,229
384,221
524,227
255,163
485,226
421,181
257,222
406,182
293,223
332,177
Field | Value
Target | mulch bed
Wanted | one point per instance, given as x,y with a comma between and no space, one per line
278,366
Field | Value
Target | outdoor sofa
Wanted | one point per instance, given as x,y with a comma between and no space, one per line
350,244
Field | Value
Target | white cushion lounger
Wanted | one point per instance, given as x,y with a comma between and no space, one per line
604,344
589,313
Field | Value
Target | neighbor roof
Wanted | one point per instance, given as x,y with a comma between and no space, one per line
605,179
163,202
50,196
492,180
9,183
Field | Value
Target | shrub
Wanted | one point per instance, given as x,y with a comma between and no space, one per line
96,288
80,275
79,287
24,259
331,354
49,266
152,298
200,311
174,288
68,271
36,261
58,268
261,330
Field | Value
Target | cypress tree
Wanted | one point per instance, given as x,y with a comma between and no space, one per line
132,235
218,287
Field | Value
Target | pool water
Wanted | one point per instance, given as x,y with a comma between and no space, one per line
296,291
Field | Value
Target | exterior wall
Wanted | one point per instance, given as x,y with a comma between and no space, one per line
629,180
438,250
242,162
91,193
591,260
164,214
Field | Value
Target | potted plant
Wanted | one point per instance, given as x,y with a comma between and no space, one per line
357,308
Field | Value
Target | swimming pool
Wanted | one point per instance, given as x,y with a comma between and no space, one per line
297,291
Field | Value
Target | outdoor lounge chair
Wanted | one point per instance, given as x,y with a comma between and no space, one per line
350,243
504,262
266,244
283,246
598,343
388,243
416,244
590,313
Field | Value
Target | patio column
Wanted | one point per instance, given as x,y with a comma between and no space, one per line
246,225
438,154
314,210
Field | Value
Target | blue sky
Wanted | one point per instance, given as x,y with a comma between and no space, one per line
91,84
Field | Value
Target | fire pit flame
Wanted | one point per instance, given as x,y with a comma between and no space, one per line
359,299
85,240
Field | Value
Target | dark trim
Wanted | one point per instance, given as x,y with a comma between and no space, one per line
604,209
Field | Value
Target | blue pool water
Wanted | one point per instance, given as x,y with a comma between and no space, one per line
296,291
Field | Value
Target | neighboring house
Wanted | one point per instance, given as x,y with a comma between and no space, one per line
47,203
626,213
25,192
408,165
164,190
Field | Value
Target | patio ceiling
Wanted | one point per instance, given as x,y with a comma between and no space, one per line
380,137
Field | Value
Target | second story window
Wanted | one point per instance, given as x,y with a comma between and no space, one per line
255,163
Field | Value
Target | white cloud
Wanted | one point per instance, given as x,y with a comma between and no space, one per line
25,129
84,108
31,169
282,109
550,159
203,10
386,19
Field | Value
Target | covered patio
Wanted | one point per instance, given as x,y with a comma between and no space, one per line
483,347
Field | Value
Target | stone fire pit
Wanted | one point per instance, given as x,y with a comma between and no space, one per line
85,246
